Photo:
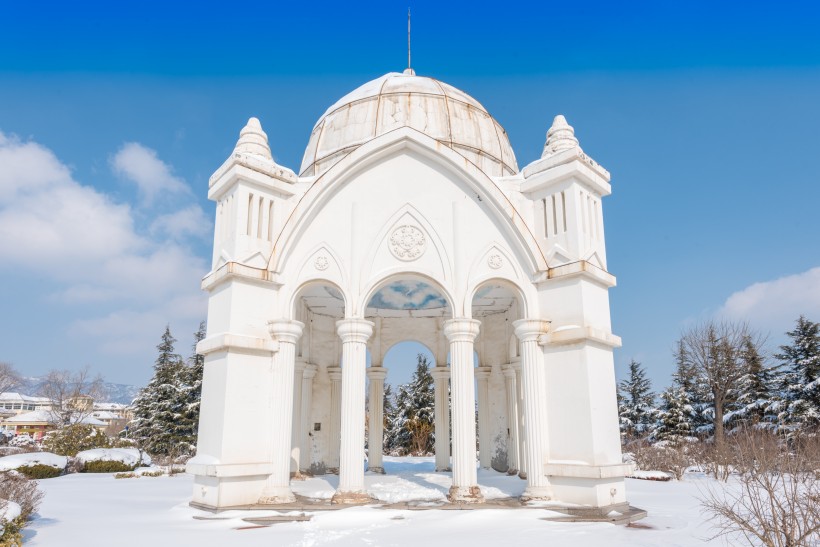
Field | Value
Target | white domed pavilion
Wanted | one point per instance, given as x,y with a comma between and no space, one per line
409,220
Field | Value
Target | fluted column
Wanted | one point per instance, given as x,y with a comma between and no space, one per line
335,374
354,333
277,487
307,407
295,436
376,420
482,374
512,419
534,387
461,333
442,417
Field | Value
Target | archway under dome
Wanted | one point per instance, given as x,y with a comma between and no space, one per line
409,220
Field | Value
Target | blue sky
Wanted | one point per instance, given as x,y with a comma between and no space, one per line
112,118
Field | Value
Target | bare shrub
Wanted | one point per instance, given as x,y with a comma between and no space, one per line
669,458
22,491
776,500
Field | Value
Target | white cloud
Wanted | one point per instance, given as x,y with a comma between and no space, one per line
152,176
773,306
122,286
191,221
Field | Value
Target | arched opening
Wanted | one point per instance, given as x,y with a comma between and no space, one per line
498,304
407,346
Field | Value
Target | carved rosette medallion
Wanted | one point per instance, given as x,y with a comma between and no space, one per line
321,263
495,261
407,243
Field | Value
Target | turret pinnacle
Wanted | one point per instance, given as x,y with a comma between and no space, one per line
252,140
561,136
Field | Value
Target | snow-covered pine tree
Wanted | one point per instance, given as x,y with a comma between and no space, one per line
411,429
674,423
801,377
636,403
687,378
756,399
160,405
192,382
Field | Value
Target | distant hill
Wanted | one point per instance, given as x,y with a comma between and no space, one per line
115,393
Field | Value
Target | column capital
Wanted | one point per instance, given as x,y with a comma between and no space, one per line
299,366
354,329
508,370
440,373
461,329
285,330
335,373
309,372
528,330
483,373
377,373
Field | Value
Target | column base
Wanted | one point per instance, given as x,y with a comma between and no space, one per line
379,470
446,469
350,498
465,494
276,496
537,493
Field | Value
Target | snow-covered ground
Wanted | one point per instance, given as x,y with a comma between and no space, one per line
98,510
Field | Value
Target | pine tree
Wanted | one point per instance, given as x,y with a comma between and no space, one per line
756,399
800,381
687,378
636,403
192,383
410,429
159,407
674,424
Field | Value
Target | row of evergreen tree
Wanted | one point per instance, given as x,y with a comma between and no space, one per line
166,411
724,381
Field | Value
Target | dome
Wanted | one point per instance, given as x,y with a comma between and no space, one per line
396,100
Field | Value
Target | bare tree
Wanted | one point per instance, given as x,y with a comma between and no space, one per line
9,377
776,500
715,352
72,394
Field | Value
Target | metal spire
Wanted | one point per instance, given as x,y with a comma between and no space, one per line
408,40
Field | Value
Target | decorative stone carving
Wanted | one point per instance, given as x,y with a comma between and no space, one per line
407,243
321,263
495,261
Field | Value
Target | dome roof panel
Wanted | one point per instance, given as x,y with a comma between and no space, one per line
429,106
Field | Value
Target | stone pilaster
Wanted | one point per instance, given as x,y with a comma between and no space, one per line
277,487
461,334
441,375
528,332
482,374
307,405
512,419
376,419
353,333
335,374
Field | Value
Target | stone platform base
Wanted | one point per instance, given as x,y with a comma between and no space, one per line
621,513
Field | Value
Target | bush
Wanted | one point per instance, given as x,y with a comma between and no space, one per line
672,459
17,488
127,475
106,466
40,471
75,438
776,502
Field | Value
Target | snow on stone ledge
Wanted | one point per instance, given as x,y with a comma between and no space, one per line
650,476
9,463
127,456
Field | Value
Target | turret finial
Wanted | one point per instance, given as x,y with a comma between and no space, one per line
561,136
252,140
